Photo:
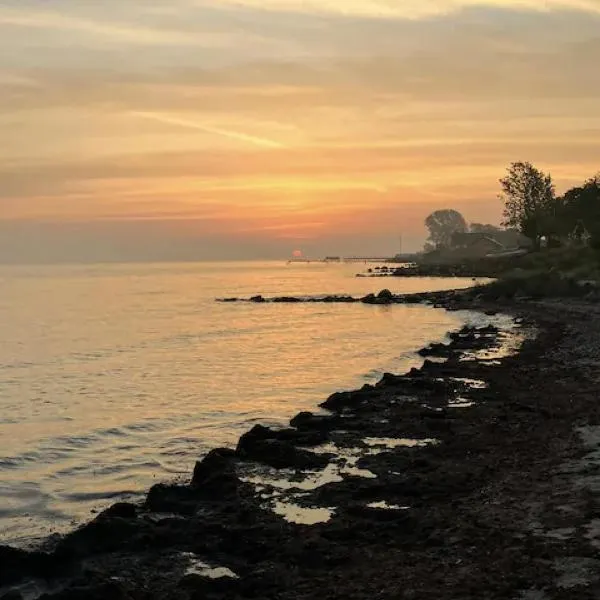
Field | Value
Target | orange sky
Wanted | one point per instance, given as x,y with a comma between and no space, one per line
244,129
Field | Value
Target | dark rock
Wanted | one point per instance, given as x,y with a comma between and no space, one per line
389,379
380,514
303,437
433,414
287,299
307,420
283,455
16,563
341,400
258,432
260,444
385,295
216,470
414,372
369,299
178,499
438,350
121,510
205,587
339,299
12,595
258,298
112,590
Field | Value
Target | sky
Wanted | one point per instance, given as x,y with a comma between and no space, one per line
247,129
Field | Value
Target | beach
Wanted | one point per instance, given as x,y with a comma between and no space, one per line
474,476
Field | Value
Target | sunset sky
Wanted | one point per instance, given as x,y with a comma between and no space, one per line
193,129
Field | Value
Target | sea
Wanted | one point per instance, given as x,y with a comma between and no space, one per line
114,377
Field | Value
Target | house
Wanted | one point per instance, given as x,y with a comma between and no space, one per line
490,244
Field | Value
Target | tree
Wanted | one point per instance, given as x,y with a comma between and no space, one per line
580,210
529,201
442,225
481,228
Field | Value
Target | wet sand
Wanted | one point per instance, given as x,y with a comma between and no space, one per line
476,476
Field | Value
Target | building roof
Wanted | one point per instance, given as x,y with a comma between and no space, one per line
503,240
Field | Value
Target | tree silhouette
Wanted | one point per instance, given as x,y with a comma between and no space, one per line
580,210
529,201
442,225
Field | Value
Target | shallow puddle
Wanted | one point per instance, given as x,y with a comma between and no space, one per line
461,403
280,487
310,480
398,442
510,344
301,515
199,567
385,506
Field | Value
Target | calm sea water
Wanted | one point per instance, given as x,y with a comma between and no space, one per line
114,377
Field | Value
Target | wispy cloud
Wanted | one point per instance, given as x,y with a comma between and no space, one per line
187,123
409,9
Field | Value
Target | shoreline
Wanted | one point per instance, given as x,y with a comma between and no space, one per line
452,522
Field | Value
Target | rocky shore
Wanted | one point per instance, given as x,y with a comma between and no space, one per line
476,476
469,268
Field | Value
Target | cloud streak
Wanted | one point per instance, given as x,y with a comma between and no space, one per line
189,124
406,9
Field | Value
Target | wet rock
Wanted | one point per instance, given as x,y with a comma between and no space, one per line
283,455
414,372
369,299
204,587
438,350
341,400
112,590
380,514
258,298
308,420
339,299
429,365
216,471
16,564
389,379
287,299
385,295
12,595
260,444
178,499
121,510
258,432
434,414
303,437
